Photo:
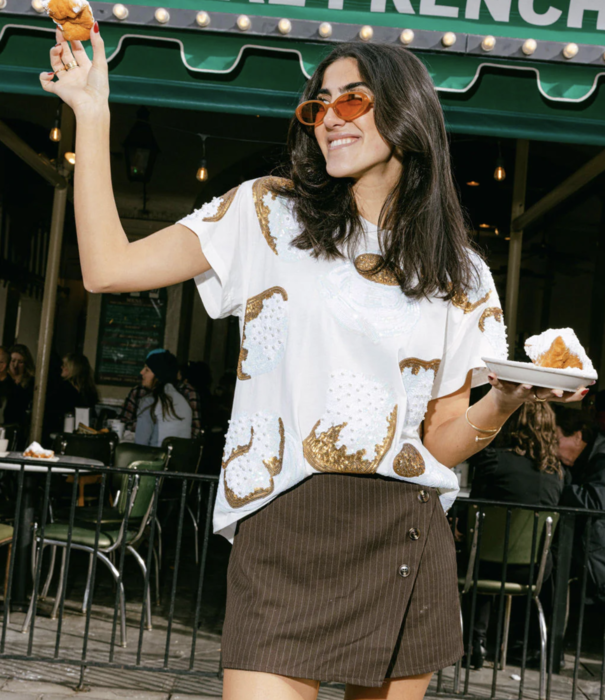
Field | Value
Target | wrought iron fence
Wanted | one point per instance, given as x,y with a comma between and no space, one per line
504,535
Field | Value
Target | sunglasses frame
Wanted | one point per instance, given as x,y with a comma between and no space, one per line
367,105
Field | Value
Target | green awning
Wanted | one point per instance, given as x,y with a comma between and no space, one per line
263,73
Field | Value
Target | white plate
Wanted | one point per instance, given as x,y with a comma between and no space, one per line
547,377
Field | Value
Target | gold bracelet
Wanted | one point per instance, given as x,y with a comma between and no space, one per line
488,431
488,437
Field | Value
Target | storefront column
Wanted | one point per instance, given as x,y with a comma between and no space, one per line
49,302
516,245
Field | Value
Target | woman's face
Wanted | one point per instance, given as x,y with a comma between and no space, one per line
147,378
352,149
65,369
17,365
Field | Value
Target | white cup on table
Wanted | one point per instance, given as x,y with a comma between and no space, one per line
3,445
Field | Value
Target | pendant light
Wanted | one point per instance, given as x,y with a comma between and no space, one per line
202,171
499,172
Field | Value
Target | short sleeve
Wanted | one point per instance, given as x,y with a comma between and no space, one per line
475,329
222,227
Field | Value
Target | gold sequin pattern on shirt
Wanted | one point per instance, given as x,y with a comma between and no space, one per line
494,312
226,201
416,365
322,454
409,462
272,464
461,300
366,265
254,306
260,188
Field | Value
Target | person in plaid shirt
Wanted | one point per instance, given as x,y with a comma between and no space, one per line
131,406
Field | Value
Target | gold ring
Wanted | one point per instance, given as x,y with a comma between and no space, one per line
70,65
539,400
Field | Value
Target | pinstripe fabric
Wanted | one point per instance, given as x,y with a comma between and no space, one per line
314,589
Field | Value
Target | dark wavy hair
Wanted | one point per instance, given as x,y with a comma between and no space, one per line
424,238
81,376
532,433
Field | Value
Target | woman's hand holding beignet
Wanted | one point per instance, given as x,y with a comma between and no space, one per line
85,88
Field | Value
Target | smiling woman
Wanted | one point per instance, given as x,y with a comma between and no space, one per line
362,309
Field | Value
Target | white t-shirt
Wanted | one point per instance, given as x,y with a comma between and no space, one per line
336,368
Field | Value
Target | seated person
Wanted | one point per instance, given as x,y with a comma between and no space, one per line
164,412
586,490
526,469
78,389
130,409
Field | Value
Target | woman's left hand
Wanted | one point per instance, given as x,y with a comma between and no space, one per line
510,395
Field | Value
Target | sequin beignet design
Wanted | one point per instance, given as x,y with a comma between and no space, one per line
492,324
357,427
253,455
418,377
265,333
408,462
214,210
275,217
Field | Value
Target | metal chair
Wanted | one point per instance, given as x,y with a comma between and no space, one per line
138,507
186,457
492,522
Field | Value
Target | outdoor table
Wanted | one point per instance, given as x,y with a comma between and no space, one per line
34,469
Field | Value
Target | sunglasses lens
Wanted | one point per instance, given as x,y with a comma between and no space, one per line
311,113
352,106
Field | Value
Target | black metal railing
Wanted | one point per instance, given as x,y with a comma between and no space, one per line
137,522
548,525
109,535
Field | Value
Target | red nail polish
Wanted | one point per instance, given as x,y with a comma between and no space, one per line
51,73
585,392
96,27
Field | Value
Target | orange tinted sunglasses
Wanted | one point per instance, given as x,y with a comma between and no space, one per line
348,106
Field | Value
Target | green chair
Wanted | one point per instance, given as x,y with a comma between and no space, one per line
492,522
186,458
111,536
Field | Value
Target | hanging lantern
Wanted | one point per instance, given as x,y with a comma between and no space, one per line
55,132
140,149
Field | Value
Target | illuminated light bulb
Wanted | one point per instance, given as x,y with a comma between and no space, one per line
120,11
70,157
325,30
203,19
38,6
571,50
488,43
472,183
483,225
529,46
243,23
202,171
55,134
2,4
406,37
448,39
284,26
162,15
499,172
366,33
496,232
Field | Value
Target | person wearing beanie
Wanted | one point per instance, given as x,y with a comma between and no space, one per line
164,412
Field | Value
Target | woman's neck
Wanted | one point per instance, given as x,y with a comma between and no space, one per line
372,189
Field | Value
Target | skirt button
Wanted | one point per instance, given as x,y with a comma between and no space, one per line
404,570
414,533
423,496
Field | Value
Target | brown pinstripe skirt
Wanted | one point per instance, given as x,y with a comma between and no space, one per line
344,578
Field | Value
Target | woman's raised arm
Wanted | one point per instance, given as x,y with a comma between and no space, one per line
109,262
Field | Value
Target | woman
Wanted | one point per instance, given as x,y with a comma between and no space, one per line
364,314
22,370
166,412
526,470
78,389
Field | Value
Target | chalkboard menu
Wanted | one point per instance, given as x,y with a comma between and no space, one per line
131,325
